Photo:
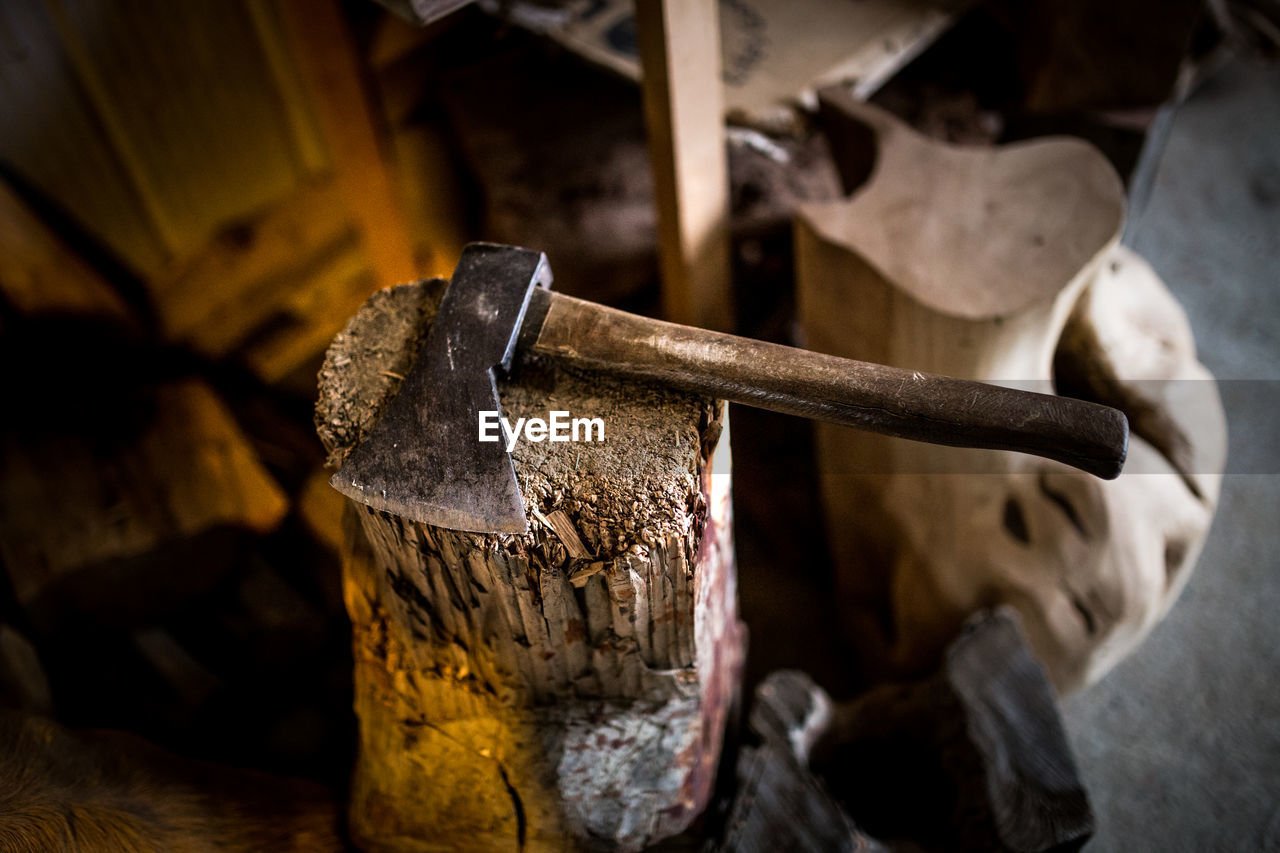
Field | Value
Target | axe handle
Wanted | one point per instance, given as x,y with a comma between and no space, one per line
888,400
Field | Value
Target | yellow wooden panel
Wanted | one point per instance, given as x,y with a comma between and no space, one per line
324,53
153,122
217,295
194,97
307,323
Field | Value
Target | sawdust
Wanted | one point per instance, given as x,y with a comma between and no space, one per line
638,486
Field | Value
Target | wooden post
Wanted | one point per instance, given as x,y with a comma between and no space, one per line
568,686
684,111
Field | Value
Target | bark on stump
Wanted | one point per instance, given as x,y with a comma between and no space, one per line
568,687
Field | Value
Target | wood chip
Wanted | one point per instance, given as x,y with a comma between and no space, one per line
579,577
563,526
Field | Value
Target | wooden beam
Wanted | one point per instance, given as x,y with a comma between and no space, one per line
684,105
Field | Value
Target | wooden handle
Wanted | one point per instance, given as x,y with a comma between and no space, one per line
888,400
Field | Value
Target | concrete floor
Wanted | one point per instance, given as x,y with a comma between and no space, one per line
1180,744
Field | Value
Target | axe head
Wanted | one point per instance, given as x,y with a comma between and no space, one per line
423,459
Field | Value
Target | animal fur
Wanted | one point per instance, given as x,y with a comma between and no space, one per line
107,792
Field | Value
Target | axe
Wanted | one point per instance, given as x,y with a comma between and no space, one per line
423,459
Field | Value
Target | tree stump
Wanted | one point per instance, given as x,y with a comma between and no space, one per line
972,262
567,687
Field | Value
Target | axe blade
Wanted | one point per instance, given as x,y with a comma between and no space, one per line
423,460
418,464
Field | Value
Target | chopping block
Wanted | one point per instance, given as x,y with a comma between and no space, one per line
566,687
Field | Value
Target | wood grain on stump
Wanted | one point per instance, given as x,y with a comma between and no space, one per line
567,686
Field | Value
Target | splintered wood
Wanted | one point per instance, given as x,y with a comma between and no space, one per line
779,803
565,687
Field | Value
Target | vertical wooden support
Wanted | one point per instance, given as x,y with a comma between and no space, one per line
684,111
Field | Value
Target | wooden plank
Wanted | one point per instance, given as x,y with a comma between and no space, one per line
95,83
683,105
423,12
216,296
308,148
195,162
153,123
560,522
776,53
306,322
55,141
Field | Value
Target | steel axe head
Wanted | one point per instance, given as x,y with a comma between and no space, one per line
423,459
